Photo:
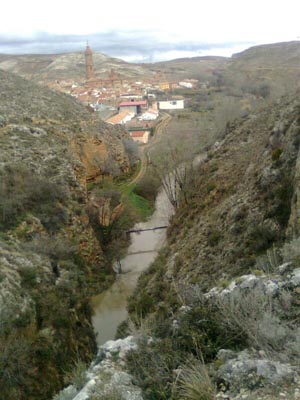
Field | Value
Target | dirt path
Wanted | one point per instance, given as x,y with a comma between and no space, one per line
159,131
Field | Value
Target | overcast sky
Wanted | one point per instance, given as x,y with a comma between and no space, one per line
139,30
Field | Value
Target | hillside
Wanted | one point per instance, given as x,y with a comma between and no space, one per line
215,296
285,55
50,257
201,68
65,66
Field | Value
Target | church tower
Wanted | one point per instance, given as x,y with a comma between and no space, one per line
89,66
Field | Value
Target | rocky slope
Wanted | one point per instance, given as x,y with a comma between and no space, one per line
50,258
219,283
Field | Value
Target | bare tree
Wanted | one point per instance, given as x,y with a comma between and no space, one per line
132,149
173,166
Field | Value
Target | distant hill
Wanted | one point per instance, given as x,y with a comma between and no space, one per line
274,65
285,55
266,62
41,67
194,67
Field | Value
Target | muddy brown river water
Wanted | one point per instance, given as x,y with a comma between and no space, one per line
110,306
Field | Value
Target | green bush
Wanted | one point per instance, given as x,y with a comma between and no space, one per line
28,277
214,237
276,153
260,238
152,365
77,376
148,187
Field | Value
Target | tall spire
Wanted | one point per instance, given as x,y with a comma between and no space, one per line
89,66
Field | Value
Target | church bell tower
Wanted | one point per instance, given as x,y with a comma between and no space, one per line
89,66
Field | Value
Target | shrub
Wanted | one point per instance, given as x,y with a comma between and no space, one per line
28,277
276,153
148,187
251,315
152,365
291,251
195,383
270,261
214,237
132,149
77,376
15,364
260,238
144,305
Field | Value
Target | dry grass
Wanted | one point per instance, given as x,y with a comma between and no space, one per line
194,383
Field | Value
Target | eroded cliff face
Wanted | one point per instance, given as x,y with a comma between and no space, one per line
50,259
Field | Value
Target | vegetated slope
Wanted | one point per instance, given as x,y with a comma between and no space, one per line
283,54
242,202
201,68
50,146
264,70
49,67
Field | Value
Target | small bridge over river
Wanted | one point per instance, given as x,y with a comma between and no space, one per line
147,229
118,267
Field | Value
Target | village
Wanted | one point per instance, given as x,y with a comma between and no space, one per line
135,104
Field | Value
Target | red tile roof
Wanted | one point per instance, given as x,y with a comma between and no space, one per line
137,133
133,103
117,119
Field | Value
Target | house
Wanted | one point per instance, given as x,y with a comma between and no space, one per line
173,104
131,96
164,86
167,85
133,105
187,85
149,115
141,137
121,118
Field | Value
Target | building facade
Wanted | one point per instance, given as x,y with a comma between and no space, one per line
171,104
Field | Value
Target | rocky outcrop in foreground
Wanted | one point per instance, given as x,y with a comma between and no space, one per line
106,378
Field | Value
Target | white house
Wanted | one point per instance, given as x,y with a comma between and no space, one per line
187,85
171,104
149,115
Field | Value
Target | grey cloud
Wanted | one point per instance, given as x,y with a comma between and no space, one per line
115,44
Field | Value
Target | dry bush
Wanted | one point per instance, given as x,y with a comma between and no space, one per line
194,383
252,314
291,251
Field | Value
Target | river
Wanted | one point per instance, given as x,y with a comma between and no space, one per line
110,306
